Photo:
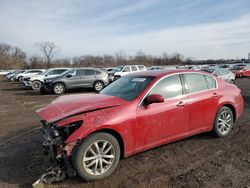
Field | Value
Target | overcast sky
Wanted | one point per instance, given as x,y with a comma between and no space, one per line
199,29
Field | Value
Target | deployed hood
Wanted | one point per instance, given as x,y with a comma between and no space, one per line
69,105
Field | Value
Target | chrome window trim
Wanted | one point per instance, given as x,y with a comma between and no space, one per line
187,94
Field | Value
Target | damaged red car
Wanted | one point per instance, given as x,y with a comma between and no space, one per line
87,134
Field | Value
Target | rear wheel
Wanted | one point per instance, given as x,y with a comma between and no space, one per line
98,86
36,85
97,157
58,88
223,122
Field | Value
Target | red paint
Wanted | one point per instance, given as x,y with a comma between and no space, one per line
241,73
146,126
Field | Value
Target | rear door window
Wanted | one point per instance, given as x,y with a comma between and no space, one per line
134,68
169,87
89,72
211,83
195,82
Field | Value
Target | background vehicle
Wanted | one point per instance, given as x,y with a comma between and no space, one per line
241,71
76,78
224,74
30,72
35,81
137,112
124,70
111,72
10,76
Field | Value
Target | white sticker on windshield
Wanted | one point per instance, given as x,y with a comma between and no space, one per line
139,80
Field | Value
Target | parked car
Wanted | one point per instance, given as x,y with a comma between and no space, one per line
124,70
29,72
140,111
224,74
111,72
241,71
76,78
10,76
36,81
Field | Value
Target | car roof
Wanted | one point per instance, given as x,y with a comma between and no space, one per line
164,72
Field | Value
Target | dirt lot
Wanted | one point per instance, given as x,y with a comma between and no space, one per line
199,161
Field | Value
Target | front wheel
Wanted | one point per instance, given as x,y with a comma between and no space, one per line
36,85
59,88
20,79
223,122
116,77
97,157
98,86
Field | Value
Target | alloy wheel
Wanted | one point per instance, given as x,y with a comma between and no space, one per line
99,157
225,121
98,86
58,89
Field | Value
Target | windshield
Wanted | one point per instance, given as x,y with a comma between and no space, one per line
119,69
128,87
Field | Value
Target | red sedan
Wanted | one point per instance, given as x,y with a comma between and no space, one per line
89,133
241,71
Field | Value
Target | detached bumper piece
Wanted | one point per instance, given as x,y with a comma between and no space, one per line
54,139
53,174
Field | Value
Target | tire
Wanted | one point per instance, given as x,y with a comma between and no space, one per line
20,79
36,85
232,82
98,86
81,157
58,88
116,78
223,122
12,78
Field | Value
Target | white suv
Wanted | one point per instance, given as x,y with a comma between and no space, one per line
35,82
126,69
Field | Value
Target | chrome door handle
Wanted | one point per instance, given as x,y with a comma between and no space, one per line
180,104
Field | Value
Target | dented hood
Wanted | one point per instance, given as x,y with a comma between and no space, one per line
69,105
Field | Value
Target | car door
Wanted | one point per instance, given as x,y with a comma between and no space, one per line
202,97
72,79
161,122
88,78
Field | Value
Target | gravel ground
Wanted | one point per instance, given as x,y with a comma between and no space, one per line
199,161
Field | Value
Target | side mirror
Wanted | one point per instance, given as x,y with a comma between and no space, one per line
46,75
154,98
69,76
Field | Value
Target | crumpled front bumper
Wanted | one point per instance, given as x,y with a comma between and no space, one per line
53,145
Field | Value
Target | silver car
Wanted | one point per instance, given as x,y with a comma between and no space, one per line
223,74
76,78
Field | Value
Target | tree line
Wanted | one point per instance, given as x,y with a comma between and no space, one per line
12,57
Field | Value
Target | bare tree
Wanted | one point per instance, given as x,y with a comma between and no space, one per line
48,49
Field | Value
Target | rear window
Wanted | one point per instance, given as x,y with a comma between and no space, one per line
98,72
195,82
